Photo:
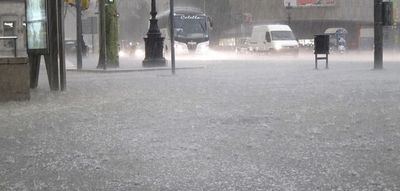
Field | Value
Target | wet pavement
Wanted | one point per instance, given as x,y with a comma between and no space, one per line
246,124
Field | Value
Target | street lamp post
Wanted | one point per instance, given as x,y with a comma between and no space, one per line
79,37
378,52
172,28
289,8
154,42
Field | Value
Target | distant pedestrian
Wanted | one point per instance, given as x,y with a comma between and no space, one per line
342,42
84,48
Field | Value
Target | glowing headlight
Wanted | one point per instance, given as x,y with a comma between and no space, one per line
278,47
121,53
181,47
139,53
204,46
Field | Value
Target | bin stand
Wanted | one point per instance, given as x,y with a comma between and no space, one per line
326,58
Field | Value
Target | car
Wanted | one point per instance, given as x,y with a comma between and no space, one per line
242,46
70,47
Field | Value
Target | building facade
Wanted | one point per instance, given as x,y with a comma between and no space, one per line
227,16
357,16
12,23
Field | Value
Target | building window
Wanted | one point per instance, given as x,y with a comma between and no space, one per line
9,30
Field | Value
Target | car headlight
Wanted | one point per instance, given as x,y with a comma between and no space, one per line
278,47
122,53
204,46
181,47
139,53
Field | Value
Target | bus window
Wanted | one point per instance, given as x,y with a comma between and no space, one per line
191,26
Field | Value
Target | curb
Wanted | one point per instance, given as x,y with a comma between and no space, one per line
132,70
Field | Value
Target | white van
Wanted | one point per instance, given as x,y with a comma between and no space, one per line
273,38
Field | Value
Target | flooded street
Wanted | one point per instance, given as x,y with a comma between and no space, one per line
200,95
250,124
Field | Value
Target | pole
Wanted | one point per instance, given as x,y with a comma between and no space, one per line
15,47
172,31
92,31
102,36
61,41
51,59
289,7
79,34
378,38
395,20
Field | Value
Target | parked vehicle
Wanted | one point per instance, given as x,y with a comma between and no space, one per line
242,45
273,38
70,47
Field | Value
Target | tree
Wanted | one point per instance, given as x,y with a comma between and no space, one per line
219,11
102,36
112,58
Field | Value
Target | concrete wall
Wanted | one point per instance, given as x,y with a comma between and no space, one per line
14,79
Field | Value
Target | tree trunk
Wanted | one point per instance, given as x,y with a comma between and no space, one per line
102,36
112,39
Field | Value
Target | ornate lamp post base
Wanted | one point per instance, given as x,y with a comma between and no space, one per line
154,52
154,43
154,62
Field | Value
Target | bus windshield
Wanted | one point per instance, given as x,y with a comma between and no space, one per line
190,26
282,35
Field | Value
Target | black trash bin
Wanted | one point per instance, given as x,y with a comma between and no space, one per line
321,46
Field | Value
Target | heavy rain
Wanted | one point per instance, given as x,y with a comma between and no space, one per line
239,95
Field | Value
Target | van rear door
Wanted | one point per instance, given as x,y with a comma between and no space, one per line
268,41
